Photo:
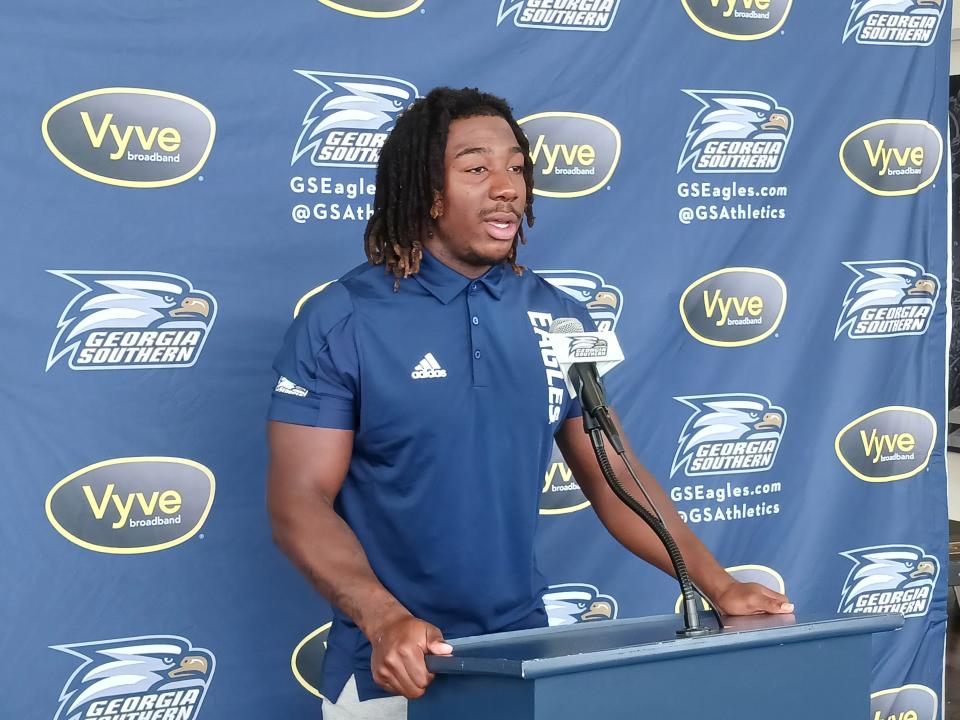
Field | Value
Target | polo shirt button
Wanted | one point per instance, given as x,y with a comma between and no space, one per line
476,320
474,287
476,354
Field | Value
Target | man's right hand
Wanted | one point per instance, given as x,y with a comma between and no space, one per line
399,647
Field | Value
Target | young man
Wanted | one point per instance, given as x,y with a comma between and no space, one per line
414,419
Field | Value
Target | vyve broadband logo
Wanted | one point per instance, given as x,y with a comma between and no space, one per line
133,504
892,157
887,444
907,702
306,661
734,306
573,154
374,8
738,19
131,137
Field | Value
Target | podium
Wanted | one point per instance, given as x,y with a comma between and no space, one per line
780,667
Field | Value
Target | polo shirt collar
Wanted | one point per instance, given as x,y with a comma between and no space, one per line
445,283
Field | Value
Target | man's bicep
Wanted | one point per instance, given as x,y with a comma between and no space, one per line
578,454
306,462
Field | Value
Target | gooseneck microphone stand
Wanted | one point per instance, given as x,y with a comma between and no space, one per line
597,422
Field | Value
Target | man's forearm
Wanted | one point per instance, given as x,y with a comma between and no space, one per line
327,552
631,532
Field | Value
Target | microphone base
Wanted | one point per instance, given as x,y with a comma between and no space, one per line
695,632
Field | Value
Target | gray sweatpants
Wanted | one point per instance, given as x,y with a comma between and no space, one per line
349,707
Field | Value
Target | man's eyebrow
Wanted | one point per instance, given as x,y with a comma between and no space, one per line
483,150
469,150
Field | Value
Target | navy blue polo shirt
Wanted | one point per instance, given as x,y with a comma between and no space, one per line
454,397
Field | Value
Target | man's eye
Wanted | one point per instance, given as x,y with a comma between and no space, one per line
476,170
516,168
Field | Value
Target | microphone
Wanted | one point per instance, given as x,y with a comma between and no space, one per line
585,378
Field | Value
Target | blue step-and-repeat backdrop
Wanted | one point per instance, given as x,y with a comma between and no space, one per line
752,193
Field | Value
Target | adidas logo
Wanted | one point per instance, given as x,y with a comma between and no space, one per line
428,368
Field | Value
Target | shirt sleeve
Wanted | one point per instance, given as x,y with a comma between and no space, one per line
317,367
574,409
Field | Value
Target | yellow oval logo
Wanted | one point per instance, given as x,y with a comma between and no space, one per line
306,662
887,444
738,19
907,702
560,493
734,306
573,154
374,8
131,137
892,157
132,505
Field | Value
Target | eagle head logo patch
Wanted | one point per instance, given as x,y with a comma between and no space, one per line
888,298
603,301
351,117
894,22
121,320
736,132
132,677
570,603
889,579
729,433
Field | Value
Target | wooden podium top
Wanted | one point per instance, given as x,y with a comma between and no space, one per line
542,652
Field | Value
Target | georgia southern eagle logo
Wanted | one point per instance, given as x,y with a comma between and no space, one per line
889,579
729,433
131,320
598,16
588,347
124,677
888,298
894,22
736,131
603,301
570,603
348,122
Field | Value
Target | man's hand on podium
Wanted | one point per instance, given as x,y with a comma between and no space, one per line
740,598
399,647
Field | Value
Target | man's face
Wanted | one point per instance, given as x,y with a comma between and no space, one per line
484,195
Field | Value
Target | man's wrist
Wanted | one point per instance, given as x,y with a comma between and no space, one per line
379,615
718,584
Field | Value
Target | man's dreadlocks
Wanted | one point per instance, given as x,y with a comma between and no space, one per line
410,176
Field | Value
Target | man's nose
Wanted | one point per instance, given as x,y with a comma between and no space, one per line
502,186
